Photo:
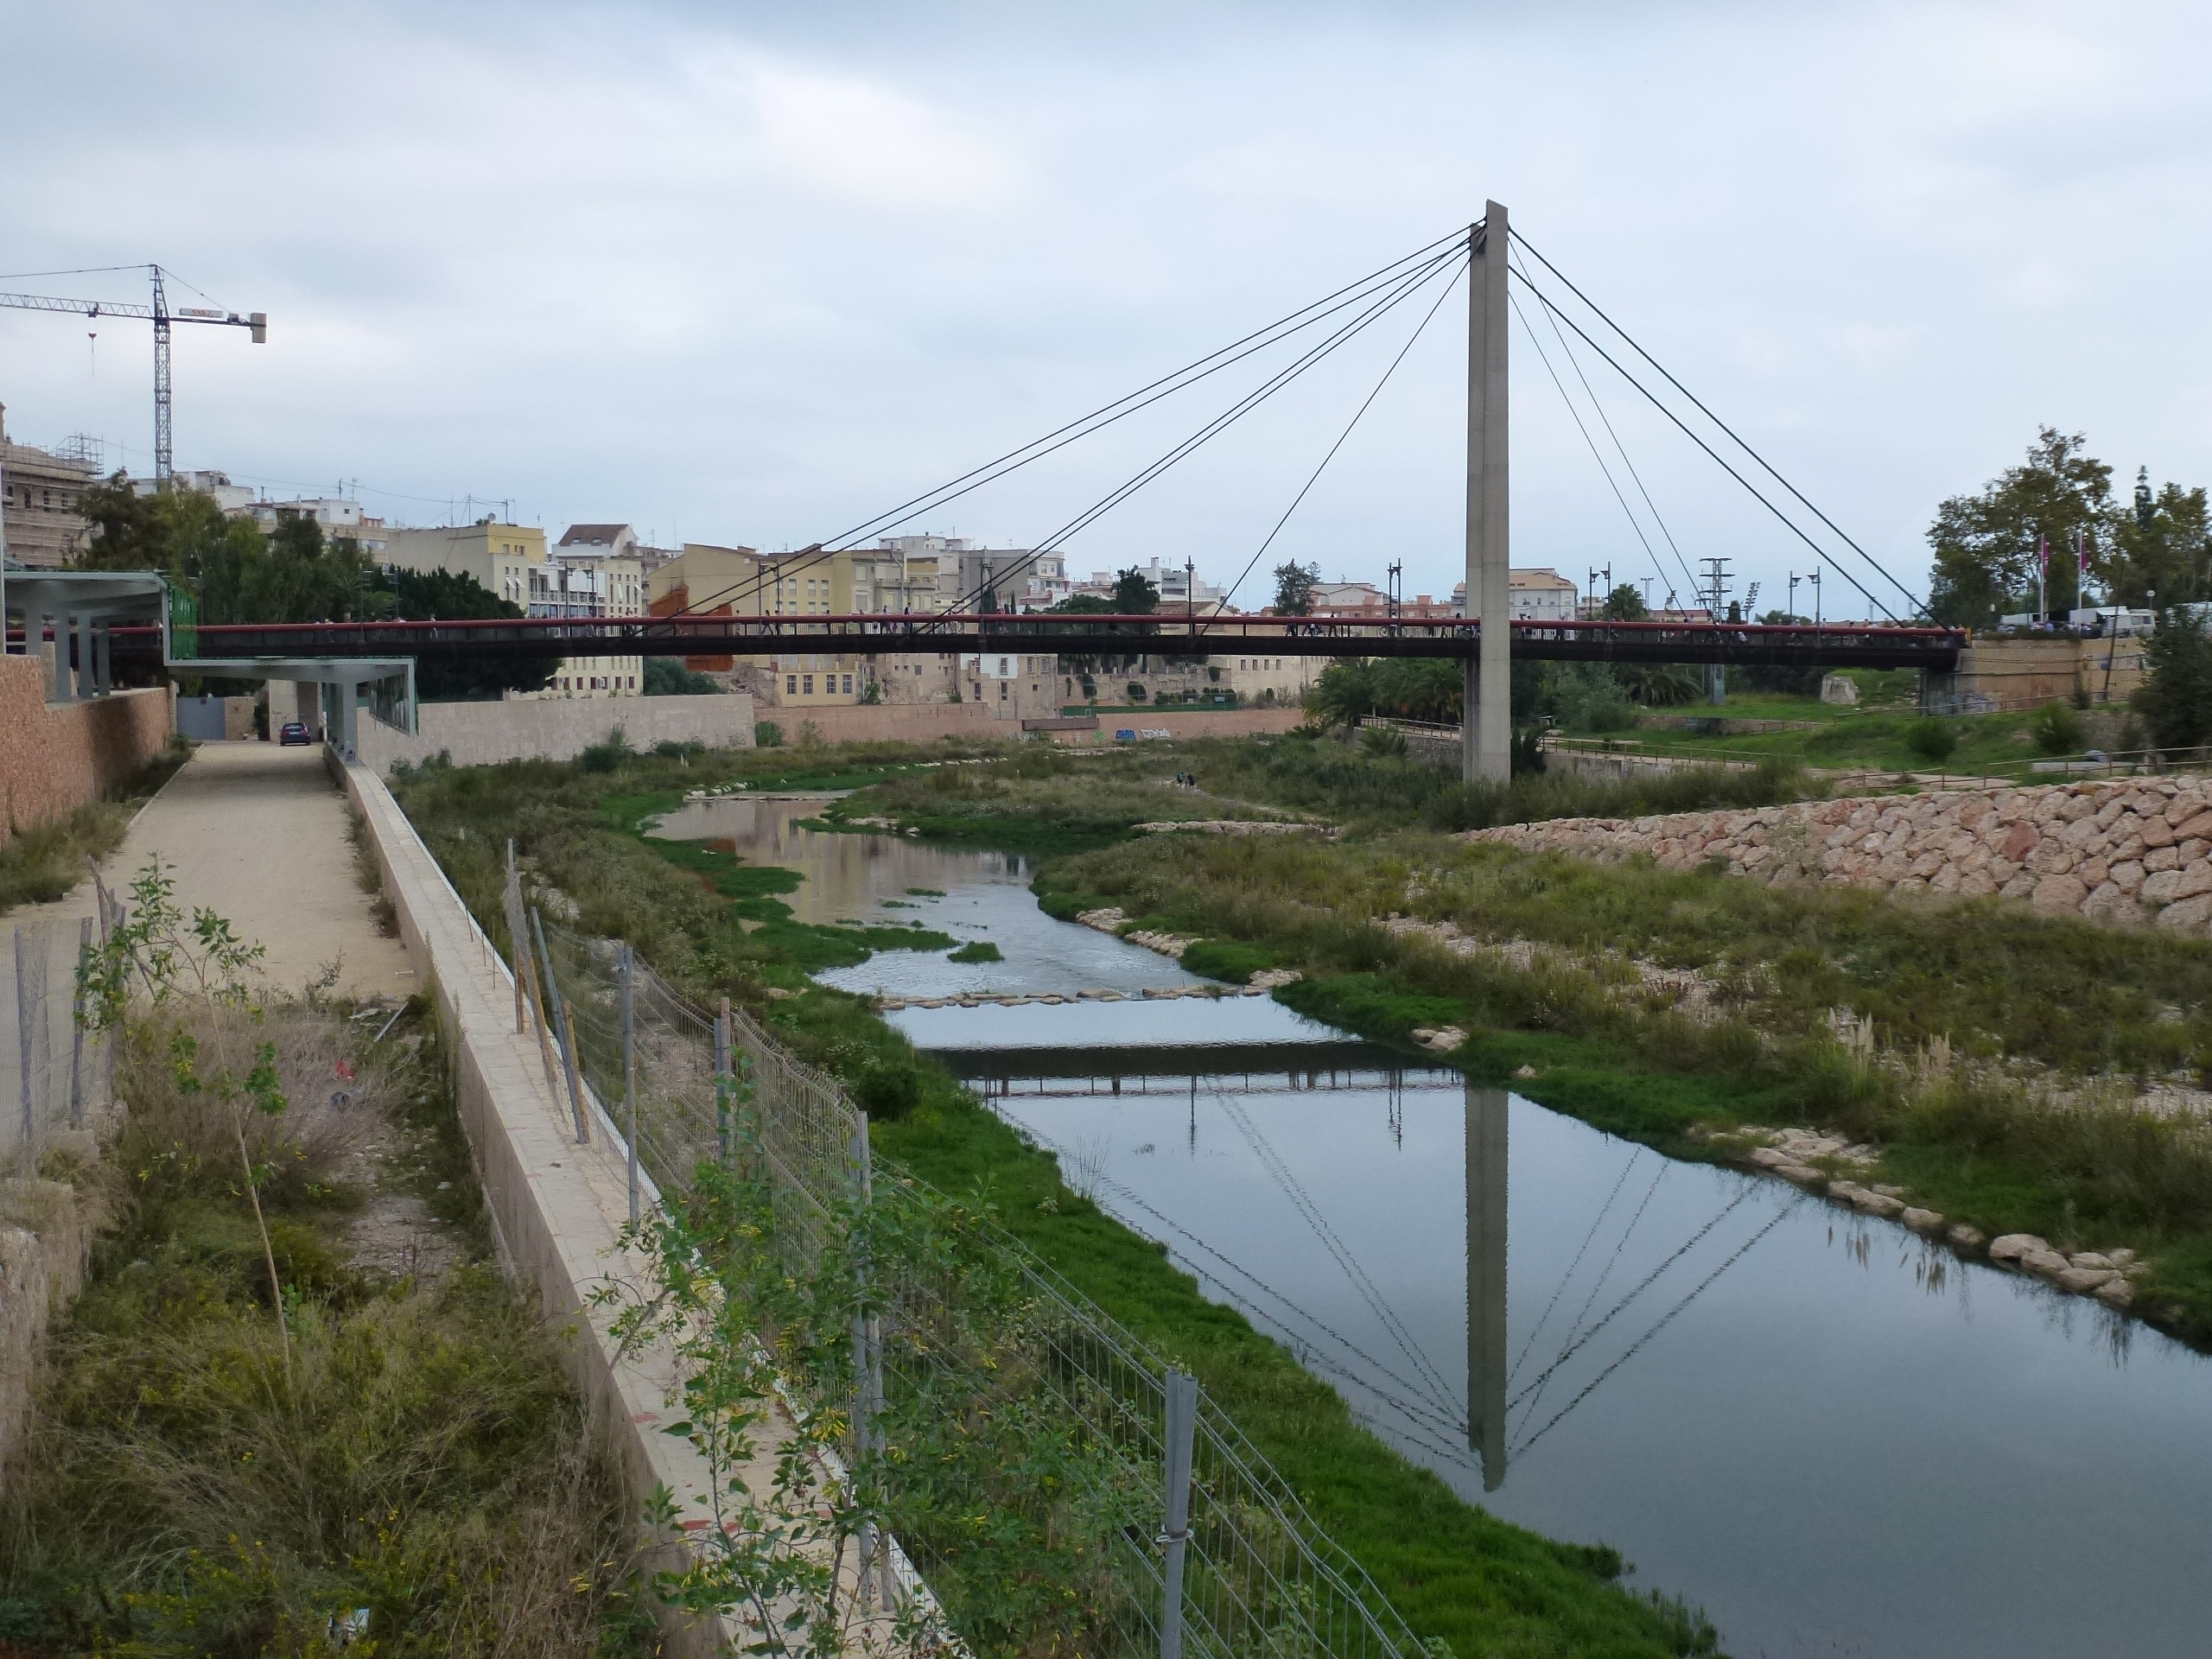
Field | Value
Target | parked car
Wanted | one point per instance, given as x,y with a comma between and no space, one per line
293,731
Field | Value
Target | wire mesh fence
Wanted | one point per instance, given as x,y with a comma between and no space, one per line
1033,1460
57,1073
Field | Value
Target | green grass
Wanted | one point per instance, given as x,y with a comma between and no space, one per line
1992,982
976,951
41,862
180,1489
1487,1587
1456,1573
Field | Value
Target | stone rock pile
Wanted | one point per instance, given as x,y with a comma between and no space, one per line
2124,853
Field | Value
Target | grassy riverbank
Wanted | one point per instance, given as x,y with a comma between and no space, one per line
198,1477
41,862
1997,1068
1486,1587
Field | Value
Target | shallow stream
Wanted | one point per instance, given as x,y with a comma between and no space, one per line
1833,1437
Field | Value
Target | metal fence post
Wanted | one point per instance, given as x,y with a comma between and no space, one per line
76,1026
1182,1431
519,947
630,1068
562,1023
722,1083
875,1567
26,1167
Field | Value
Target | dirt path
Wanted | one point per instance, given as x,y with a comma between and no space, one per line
257,834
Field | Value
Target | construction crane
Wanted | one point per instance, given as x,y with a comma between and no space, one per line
161,317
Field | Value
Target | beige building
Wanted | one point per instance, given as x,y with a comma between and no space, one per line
502,557
1538,594
706,579
40,494
594,570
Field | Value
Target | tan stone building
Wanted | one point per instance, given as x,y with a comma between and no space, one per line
40,495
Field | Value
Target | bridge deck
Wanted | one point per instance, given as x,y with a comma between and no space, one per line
1744,644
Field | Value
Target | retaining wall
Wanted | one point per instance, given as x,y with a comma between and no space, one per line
558,1207
553,728
55,757
2124,852
924,723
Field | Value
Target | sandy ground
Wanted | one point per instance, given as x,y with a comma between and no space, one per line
257,834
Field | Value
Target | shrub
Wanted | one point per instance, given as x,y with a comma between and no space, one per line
1227,959
2056,728
769,735
610,756
1383,740
1932,739
976,951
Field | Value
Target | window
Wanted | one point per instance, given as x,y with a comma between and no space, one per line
1001,691
791,685
810,685
848,685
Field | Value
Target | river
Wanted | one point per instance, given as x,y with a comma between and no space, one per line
1835,1438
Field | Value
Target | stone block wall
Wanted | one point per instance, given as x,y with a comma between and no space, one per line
2126,853
550,728
56,757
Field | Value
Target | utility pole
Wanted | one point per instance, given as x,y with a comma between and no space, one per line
1397,591
1716,596
1487,722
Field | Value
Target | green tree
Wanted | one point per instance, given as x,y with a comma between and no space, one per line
1295,588
2160,545
1625,604
238,573
1134,594
1083,604
453,596
666,676
1986,544
2175,701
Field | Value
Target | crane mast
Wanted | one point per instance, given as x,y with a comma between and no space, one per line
159,314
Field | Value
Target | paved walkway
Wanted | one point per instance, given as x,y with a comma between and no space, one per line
257,834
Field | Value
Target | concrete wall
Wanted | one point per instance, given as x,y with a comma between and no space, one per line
1995,675
484,734
56,757
558,1208
2127,853
924,722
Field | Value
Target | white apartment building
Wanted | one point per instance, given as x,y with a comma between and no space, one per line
1539,594
594,570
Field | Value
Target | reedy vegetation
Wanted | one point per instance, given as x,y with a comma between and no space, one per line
1961,997
1458,1574
218,1464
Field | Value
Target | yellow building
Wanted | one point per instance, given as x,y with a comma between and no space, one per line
705,580
500,556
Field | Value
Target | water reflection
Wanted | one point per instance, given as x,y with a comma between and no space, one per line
1812,1425
1833,1436
1487,1141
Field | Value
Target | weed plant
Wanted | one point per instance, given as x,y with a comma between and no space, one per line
39,863
1975,988
199,1479
1352,785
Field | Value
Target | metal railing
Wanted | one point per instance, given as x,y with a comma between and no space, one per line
1172,1533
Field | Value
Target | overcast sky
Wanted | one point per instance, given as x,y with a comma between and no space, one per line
751,274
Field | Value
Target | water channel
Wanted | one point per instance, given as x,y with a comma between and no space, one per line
1834,1438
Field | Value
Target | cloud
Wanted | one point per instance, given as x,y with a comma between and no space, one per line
752,273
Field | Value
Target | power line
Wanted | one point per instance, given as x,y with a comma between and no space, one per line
1633,523
1724,427
1341,436
1106,415
1598,404
1405,286
1656,402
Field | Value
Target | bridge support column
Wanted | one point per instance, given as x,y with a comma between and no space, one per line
1487,1111
1487,721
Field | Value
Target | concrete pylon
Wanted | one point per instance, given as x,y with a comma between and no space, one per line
1487,1147
1487,721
